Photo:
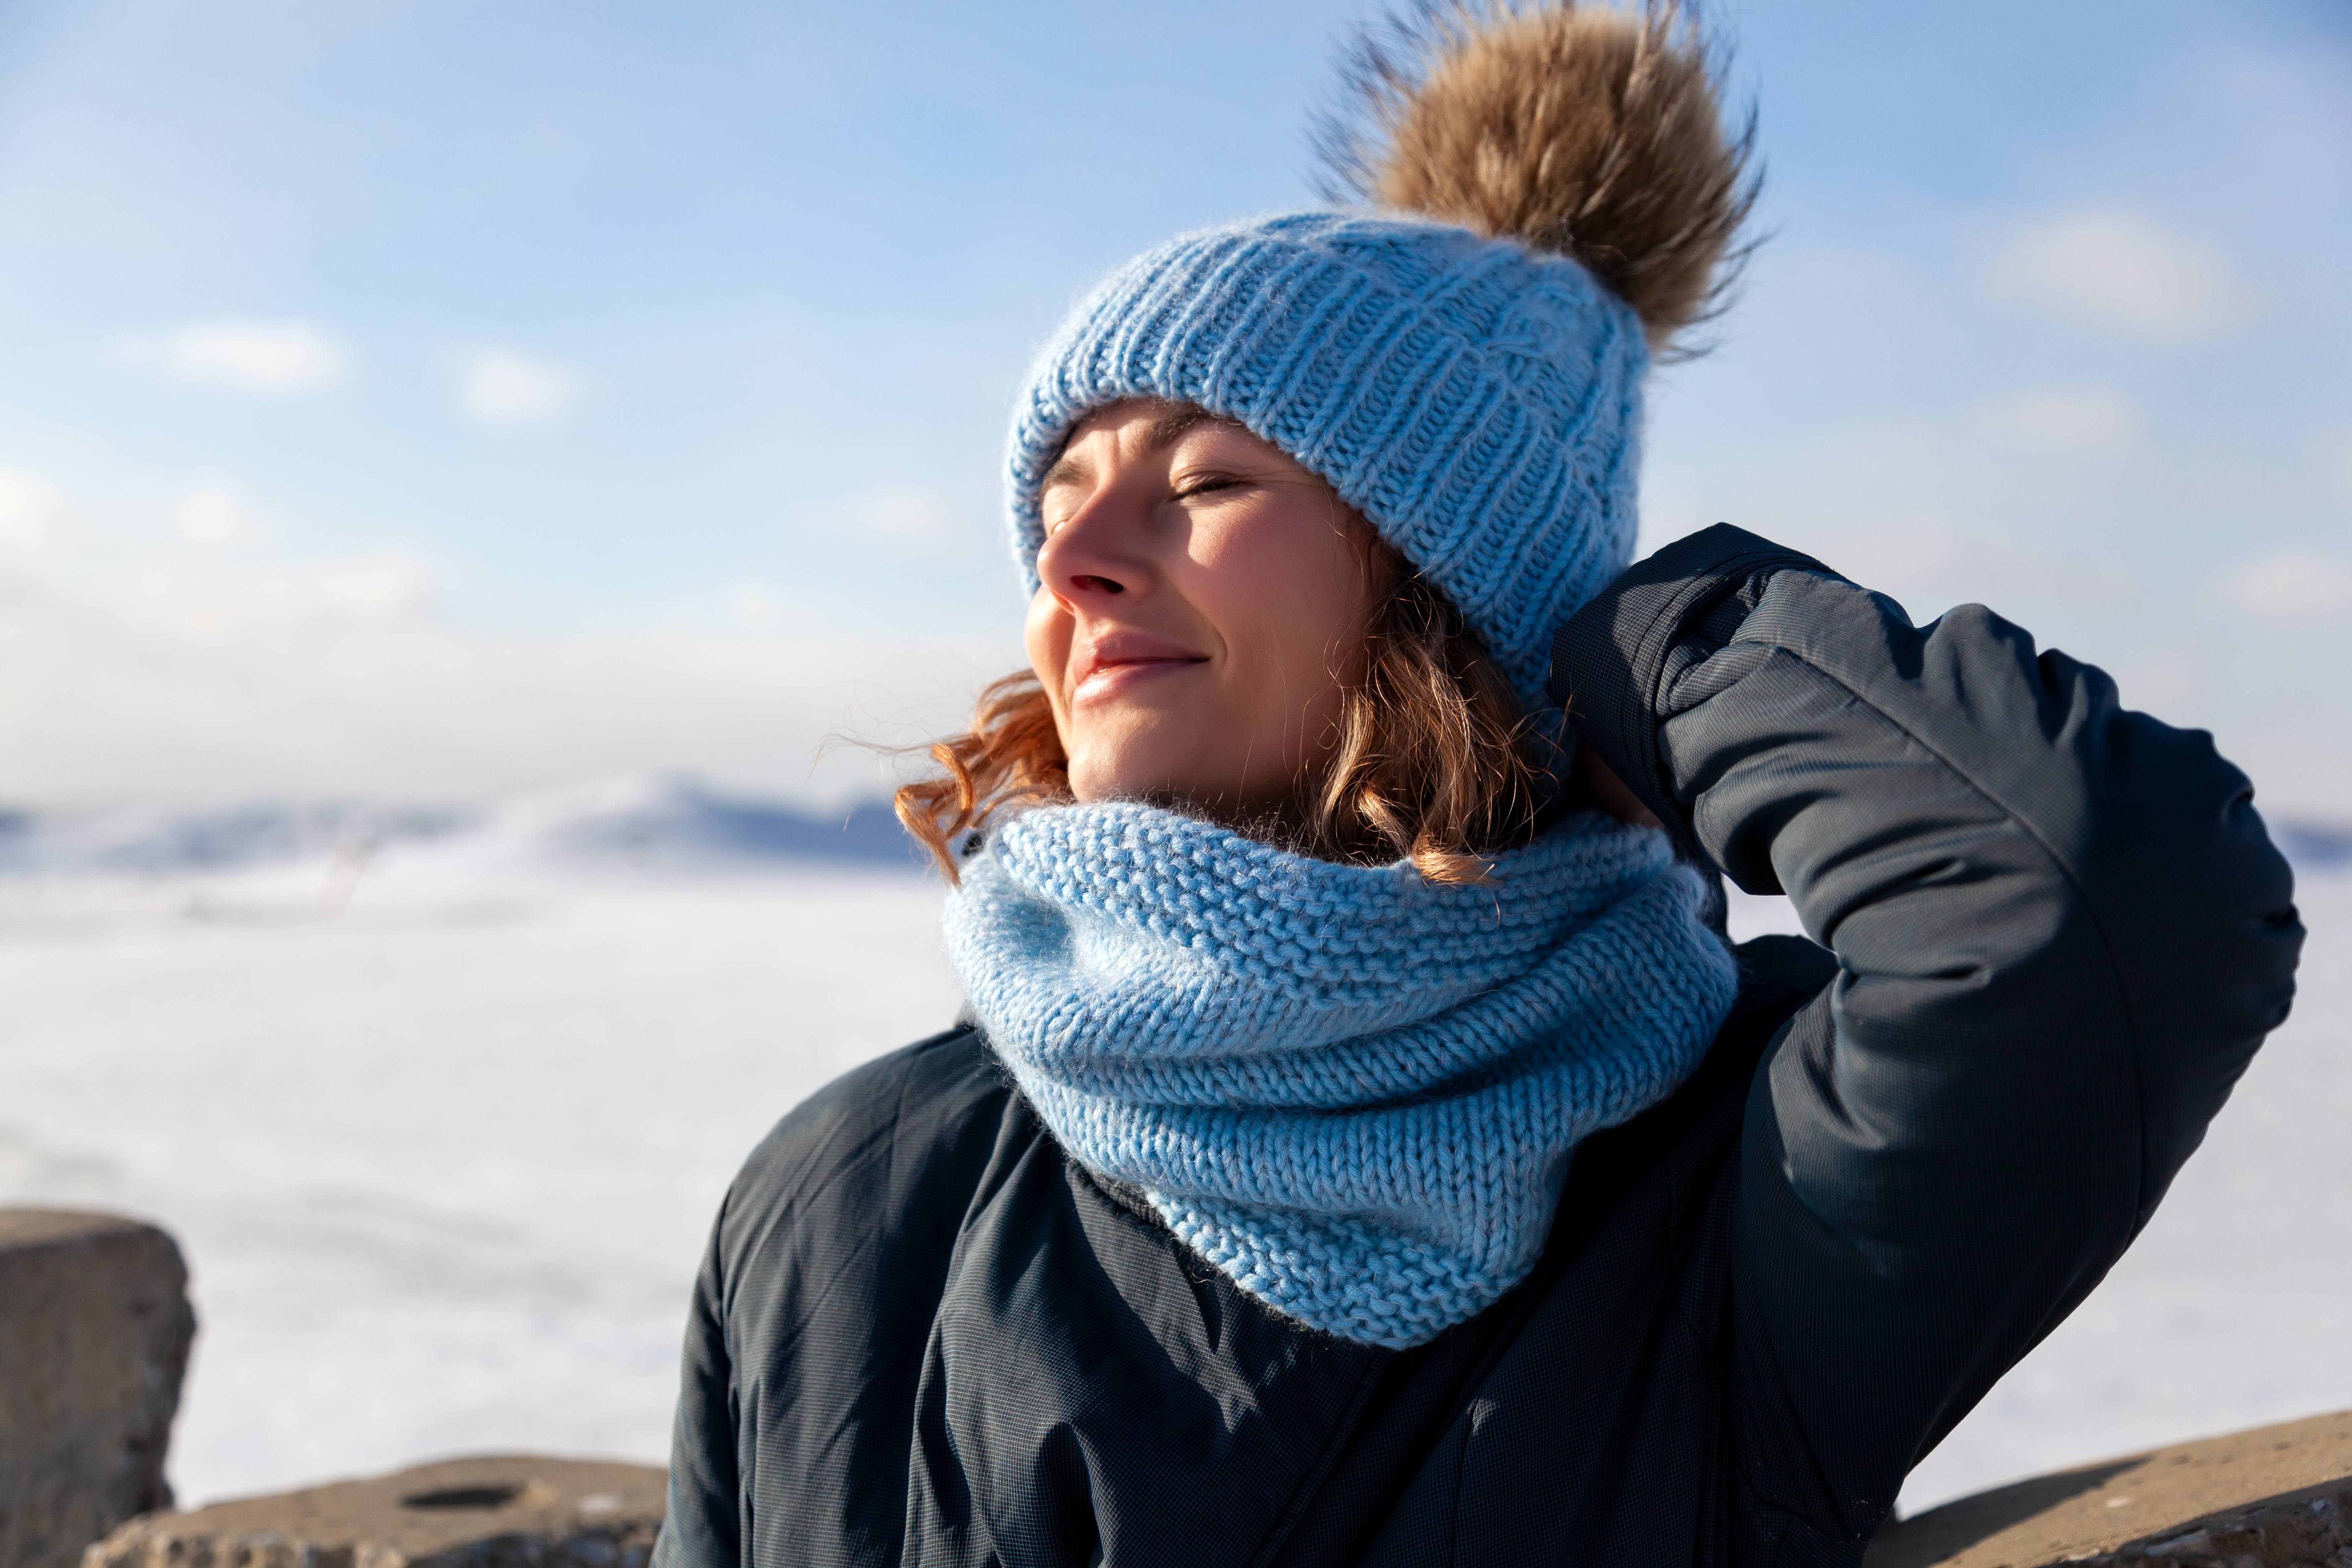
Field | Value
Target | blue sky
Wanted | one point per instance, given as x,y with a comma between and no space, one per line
432,400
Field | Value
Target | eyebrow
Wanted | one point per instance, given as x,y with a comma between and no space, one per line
1166,429
1163,433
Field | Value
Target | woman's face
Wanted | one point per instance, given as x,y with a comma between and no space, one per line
1201,607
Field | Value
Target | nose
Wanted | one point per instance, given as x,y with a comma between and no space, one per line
1099,552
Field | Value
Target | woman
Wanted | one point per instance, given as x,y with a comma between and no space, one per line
1361,1145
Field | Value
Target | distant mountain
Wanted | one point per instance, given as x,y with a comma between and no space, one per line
631,821
2313,846
155,840
635,820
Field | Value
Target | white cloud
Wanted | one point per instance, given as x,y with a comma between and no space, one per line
1980,502
216,517
32,512
910,516
2089,420
2123,271
2292,584
252,356
139,660
502,387
185,599
755,604
1928,564
203,678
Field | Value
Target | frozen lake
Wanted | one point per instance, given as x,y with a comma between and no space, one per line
441,1127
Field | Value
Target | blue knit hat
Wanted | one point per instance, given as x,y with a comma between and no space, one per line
1470,381
1478,401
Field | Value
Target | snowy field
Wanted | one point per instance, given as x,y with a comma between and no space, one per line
440,1110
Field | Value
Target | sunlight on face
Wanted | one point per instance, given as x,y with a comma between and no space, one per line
1202,608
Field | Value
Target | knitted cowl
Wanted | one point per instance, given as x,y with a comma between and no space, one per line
1353,1090
1479,401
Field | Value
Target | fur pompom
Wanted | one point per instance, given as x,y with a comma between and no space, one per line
1581,129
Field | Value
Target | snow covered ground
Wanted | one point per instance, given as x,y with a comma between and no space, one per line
440,1109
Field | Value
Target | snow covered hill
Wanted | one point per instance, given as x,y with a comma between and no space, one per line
635,820
441,1103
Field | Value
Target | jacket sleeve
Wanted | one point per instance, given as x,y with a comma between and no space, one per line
702,1525
2060,931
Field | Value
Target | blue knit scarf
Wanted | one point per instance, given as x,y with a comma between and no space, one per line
1353,1090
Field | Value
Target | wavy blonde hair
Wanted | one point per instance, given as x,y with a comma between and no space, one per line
1432,759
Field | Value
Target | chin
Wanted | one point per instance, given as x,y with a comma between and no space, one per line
1151,789
1156,772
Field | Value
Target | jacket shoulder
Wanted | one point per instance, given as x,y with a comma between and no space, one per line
818,1296
893,1142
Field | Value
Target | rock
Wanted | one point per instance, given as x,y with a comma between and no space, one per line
2277,1497
503,1513
96,1333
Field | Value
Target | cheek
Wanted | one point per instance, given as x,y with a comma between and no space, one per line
1047,635
1045,632
1294,600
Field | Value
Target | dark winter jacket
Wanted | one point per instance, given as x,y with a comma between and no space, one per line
2054,931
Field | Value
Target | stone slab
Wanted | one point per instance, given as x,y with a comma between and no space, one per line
497,1512
94,1334
2276,1497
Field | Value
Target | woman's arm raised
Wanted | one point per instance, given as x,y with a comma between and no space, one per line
2061,931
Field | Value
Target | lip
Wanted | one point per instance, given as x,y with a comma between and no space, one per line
1111,666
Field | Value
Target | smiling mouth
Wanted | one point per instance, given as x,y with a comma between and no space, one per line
1112,679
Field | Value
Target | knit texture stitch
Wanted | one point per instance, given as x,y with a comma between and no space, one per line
1478,401
1353,1090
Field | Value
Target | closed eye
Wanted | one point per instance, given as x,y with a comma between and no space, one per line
1208,484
